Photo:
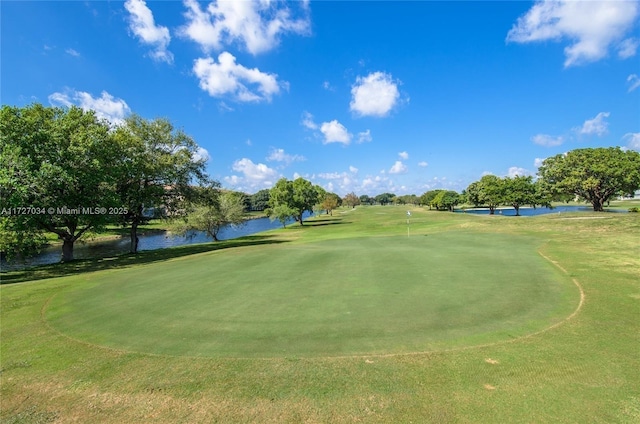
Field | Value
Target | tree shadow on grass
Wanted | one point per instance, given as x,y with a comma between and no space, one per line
322,221
128,259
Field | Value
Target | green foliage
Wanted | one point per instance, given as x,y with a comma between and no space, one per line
446,200
61,161
593,175
214,210
291,199
260,200
157,167
428,197
518,191
634,210
366,200
384,198
489,191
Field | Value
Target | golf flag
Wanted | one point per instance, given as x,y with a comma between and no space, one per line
408,213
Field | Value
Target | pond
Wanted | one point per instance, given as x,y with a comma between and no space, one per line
528,211
150,241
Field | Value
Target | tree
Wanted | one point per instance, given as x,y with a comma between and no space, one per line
446,199
351,200
384,198
157,168
330,202
260,200
486,192
213,210
365,200
292,197
594,175
61,163
428,197
518,191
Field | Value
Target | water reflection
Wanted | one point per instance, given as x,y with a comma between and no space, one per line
150,241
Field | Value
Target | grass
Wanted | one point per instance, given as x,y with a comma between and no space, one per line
583,370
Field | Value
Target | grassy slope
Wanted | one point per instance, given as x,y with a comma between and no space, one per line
585,370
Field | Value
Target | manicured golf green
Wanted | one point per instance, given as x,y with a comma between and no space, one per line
343,320
356,296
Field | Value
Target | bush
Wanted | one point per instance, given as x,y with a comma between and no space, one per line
634,209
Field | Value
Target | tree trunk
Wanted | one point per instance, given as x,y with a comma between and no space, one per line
598,204
517,208
133,247
67,250
299,219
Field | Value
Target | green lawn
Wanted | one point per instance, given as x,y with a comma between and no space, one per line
471,319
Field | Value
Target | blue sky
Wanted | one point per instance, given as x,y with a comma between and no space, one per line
355,96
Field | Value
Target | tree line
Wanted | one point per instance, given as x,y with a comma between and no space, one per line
66,172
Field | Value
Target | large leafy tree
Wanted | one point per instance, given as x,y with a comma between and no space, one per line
158,169
594,175
488,191
446,200
293,198
365,200
427,197
60,162
384,198
518,191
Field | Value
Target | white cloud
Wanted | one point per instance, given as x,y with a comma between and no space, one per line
307,121
592,26
633,140
279,155
330,175
403,155
628,48
106,106
374,95
547,140
515,171
223,107
226,78
634,82
597,125
353,169
364,136
398,168
538,162
202,155
143,26
423,164
255,175
72,52
257,25
327,86
335,132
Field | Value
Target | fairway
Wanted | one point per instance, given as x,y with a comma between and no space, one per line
341,297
